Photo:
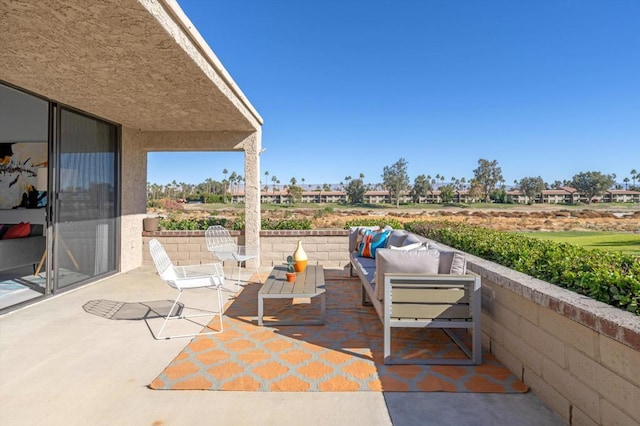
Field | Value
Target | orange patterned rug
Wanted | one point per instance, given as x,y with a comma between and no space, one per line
345,354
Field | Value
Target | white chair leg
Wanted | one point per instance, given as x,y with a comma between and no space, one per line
169,314
168,317
238,282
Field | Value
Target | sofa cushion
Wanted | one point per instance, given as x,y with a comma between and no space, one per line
366,266
409,262
371,241
396,238
452,262
21,230
412,239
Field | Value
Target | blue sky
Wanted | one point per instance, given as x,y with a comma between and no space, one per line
545,87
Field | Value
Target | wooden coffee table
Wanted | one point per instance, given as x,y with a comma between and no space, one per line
308,284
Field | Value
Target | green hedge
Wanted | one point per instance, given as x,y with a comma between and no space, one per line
612,278
236,224
382,222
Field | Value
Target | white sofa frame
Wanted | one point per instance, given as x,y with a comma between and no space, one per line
445,301
433,301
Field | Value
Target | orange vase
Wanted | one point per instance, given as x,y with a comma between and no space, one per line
300,258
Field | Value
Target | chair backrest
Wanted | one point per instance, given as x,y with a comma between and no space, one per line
161,259
219,240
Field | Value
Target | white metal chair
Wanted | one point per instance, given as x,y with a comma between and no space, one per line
185,278
222,244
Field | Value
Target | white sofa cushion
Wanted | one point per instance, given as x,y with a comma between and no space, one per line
407,262
413,246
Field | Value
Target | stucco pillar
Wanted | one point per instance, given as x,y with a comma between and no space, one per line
252,147
133,198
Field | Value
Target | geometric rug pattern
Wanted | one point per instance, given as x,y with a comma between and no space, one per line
345,354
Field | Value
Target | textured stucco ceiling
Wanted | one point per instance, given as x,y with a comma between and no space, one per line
132,62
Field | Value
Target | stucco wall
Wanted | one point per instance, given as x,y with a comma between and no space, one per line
581,357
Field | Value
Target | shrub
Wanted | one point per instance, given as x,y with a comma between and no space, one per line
238,224
271,224
172,224
381,222
612,278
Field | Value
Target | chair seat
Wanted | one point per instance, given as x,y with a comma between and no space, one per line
193,282
224,247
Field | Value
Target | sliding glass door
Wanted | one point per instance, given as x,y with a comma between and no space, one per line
84,174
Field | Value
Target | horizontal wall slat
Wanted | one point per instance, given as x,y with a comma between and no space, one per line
418,295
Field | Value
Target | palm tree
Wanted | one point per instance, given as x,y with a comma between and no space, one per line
232,181
274,179
266,179
174,185
634,176
626,183
209,183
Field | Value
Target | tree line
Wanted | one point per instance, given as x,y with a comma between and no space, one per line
487,184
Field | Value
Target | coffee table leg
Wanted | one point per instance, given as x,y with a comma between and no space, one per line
260,309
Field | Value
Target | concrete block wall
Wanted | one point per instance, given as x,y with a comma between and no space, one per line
329,248
581,357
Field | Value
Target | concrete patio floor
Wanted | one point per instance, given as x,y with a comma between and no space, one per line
63,365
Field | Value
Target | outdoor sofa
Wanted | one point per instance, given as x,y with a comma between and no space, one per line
22,250
412,282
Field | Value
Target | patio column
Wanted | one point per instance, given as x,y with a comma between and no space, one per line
252,147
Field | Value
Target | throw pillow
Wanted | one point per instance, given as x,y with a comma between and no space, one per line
21,230
371,241
356,235
458,264
452,262
396,238
414,246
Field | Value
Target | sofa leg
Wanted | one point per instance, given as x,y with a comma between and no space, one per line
365,297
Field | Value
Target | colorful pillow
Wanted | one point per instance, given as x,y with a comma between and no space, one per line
21,230
356,234
371,241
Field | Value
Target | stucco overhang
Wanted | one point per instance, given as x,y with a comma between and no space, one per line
140,63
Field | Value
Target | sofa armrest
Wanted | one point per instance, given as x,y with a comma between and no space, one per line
447,301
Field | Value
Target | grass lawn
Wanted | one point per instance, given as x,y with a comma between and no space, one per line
611,241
